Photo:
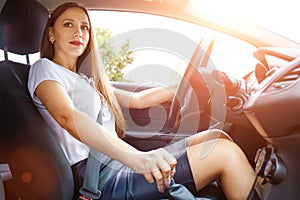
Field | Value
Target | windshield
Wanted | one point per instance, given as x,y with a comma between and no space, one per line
151,58
280,17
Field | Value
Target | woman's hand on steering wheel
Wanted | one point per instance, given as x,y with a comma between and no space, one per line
232,85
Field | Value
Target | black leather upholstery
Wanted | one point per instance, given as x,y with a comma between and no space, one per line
21,25
38,166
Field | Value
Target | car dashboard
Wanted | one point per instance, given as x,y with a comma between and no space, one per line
271,103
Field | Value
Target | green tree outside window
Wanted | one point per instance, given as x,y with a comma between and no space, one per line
115,60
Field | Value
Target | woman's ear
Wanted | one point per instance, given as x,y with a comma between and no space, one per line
51,35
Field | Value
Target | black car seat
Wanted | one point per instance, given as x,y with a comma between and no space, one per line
29,155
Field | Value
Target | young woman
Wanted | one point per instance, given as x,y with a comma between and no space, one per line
69,89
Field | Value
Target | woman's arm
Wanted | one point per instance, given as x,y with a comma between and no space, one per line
154,165
145,98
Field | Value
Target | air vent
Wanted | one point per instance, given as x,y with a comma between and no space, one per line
286,80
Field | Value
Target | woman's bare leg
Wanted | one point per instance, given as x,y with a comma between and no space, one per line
220,158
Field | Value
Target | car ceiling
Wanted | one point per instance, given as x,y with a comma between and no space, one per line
184,10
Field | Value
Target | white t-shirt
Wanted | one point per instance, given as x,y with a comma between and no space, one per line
85,98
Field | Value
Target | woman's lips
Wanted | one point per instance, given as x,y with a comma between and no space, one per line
76,43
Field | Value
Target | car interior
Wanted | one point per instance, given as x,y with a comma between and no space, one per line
31,160
262,116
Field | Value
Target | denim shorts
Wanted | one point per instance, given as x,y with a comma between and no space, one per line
126,184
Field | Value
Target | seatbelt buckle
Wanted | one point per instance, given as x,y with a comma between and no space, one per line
83,198
88,195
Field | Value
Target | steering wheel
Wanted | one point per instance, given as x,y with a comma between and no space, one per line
191,104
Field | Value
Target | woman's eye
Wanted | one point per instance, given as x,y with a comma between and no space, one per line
86,28
68,24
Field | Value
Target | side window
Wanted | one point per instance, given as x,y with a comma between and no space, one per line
165,62
1,55
162,47
20,58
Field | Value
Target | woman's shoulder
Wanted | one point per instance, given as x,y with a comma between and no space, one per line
44,68
42,62
46,65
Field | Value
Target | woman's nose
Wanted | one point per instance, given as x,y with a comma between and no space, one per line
78,32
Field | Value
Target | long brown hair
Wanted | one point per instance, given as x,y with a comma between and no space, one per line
89,61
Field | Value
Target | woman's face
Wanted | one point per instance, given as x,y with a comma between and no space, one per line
70,33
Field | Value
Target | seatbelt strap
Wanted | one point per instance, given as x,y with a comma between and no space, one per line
89,189
94,182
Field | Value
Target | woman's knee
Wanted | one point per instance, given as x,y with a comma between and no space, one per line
218,133
231,153
207,135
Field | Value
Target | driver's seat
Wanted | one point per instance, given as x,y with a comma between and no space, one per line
32,164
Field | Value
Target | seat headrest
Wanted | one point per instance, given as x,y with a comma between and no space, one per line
21,26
